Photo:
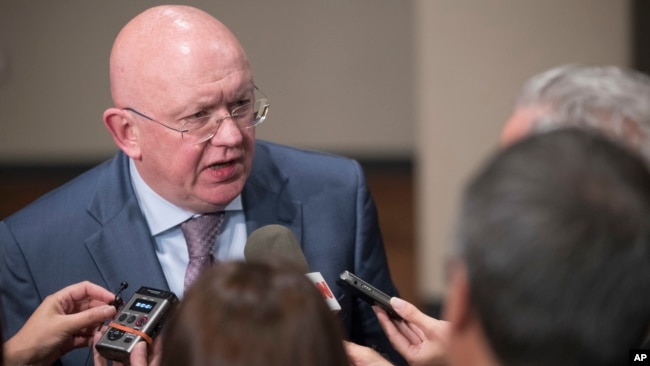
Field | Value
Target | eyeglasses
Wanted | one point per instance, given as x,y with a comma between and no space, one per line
199,128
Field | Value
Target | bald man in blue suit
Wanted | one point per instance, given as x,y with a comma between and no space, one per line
184,117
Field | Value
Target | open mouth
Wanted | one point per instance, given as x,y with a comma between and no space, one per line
221,165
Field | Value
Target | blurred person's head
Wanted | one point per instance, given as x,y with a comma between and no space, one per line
176,76
255,313
608,99
551,262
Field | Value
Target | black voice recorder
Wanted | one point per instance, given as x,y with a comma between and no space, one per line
366,292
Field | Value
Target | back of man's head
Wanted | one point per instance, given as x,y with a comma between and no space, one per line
555,236
609,99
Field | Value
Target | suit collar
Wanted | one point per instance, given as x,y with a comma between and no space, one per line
123,249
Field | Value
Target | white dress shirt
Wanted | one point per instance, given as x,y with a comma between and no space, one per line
164,219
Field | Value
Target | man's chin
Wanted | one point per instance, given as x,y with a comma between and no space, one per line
212,203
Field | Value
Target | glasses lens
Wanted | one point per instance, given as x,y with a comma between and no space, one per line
261,110
252,114
197,129
245,116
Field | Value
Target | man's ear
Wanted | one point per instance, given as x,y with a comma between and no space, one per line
124,131
458,307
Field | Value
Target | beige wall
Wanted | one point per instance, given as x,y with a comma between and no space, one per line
338,73
432,79
472,58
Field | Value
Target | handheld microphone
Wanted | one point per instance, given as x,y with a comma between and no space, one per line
277,241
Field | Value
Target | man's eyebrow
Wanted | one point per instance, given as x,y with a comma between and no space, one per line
244,92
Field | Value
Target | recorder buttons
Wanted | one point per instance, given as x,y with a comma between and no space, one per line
141,321
114,334
122,317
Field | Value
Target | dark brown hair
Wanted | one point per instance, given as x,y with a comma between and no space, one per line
246,314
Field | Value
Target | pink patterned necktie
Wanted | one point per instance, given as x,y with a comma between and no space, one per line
200,233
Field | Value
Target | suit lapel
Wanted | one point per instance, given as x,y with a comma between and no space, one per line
265,199
122,249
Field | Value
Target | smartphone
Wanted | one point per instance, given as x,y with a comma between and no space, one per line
367,292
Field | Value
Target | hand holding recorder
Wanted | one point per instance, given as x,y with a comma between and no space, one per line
64,321
416,336
420,338
141,355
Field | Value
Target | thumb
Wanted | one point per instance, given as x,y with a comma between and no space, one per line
409,312
139,355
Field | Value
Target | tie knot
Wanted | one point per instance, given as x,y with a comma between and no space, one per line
200,233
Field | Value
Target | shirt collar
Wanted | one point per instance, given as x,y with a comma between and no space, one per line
160,214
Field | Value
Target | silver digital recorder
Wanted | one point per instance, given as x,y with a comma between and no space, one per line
141,319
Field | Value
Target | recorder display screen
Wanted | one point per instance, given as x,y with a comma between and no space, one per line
142,306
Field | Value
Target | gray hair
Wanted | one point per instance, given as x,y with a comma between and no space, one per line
609,99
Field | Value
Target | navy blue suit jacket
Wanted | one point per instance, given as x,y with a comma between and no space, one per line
92,229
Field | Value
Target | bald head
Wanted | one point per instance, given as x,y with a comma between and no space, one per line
174,65
169,45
